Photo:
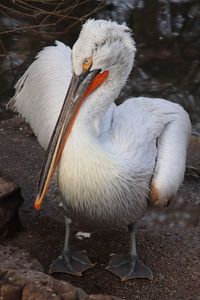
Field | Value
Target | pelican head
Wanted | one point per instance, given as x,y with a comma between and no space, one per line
109,46
102,59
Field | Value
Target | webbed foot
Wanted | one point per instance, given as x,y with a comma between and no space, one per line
128,267
71,262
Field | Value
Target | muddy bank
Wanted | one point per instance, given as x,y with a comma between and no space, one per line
168,239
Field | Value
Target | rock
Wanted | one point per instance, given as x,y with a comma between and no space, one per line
10,292
10,201
15,258
193,156
32,292
100,297
22,278
33,285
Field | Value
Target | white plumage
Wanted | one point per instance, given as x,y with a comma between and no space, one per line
40,92
112,152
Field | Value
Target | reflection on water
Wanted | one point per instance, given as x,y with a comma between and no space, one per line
167,62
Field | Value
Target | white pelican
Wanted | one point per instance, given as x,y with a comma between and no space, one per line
111,160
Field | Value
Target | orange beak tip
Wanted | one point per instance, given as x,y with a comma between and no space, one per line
37,205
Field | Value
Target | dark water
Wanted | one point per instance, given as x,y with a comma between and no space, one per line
167,63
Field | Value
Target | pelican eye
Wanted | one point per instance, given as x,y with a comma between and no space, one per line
87,64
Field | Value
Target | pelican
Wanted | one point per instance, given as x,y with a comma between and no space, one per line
112,161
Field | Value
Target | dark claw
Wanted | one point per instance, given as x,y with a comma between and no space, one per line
71,262
128,267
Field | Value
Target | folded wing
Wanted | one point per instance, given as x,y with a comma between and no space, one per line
172,150
154,133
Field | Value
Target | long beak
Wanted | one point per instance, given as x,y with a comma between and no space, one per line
80,87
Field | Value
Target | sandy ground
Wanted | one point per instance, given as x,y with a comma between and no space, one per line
168,240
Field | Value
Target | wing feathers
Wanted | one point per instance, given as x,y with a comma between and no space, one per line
171,159
40,92
138,124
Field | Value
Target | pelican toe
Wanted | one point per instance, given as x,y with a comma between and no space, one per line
128,267
71,262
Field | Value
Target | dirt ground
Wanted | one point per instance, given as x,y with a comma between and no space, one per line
168,240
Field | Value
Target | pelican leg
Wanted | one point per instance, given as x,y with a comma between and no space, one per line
71,261
129,266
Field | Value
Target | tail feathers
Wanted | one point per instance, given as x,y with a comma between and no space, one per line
18,86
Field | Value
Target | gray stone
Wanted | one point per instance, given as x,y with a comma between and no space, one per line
10,201
34,285
15,258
